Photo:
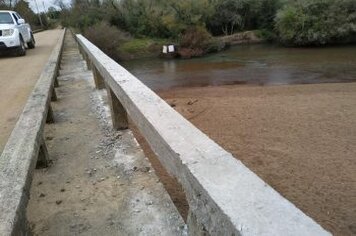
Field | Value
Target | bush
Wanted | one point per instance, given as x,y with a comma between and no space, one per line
142,47
107,38
233,16
161,19
317,22
265,34
142,18
194,42
195,37
83,14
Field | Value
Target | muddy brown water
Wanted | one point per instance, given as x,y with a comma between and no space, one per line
261,64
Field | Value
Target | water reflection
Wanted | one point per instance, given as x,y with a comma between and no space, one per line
169,67
252,64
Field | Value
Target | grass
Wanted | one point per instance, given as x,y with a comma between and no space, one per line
142,47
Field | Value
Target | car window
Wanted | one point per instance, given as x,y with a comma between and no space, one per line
5,18
16,18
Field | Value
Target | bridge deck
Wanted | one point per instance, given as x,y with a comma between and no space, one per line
100,183
18,76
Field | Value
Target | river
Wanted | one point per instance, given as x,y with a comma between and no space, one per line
260,64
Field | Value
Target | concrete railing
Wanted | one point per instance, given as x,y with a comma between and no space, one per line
37,31
26,148
225,197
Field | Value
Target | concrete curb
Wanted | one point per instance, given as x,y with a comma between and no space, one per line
37,31
26,148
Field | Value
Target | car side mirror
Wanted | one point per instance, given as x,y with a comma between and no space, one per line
21,21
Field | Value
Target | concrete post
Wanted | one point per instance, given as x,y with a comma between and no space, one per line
80,50
50,117
53,95
194,227
43,157
87,61
98,79
85,57
60,59
56,85
118,112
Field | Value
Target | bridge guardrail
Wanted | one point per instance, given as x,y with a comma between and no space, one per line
37,31
26,148
224,196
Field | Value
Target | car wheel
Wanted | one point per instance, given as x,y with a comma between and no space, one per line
32,43
21,51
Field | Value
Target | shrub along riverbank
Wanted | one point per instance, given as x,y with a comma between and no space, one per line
122,46
139,28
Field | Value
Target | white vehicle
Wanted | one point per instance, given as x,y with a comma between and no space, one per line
15,33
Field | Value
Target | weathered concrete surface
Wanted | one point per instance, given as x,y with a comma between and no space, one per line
119,115
224,196
19,157
18,76
100,183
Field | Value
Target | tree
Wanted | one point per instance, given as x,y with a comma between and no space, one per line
23,8
53,13
83,14
60,4
237,15
317,22
7,4
227,17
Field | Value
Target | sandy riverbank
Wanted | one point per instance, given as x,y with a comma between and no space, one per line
300,139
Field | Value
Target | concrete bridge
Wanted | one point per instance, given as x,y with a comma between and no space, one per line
96,179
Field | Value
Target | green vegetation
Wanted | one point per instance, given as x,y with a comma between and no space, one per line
107,37
169,18
141,44
141,47
139,27
317,22
121,45
231,16
23,8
